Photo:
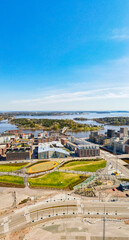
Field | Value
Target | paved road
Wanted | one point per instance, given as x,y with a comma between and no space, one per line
116,163
59,207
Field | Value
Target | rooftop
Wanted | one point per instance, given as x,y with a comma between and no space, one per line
43,147
124,184
2,146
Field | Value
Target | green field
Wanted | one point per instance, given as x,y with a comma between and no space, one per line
11,167
124,179
11,180
41,167
57,180
88,166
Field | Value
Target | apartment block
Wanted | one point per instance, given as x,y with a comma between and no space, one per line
18,153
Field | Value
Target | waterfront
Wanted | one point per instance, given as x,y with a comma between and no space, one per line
5,126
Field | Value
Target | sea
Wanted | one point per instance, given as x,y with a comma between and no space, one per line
5,126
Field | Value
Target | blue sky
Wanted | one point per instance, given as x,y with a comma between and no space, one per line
64,55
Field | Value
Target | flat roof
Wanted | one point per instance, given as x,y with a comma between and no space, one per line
2,146
72,144
48,144
125,184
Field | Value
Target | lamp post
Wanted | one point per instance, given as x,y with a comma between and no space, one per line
15,199
104,224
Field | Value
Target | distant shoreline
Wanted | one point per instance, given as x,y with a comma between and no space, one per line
114,121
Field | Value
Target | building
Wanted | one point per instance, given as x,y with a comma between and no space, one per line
117,142
4,138
83,148
71,146
126,147
15,131
88,150
119,134
117,145
2,150
110,133
64,141
51,150
25,136
124,131
124,186
98,138
43,134
47,139
120,145
18,153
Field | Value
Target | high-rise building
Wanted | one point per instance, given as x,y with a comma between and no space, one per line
110,133
124,130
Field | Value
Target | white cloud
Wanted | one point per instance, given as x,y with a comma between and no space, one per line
107,93
120,34
100,87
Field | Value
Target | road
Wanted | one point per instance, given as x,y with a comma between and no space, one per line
60,206
115,162
55,159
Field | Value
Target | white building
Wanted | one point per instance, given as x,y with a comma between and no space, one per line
6,138
51,150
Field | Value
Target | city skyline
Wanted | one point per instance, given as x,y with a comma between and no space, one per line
70,55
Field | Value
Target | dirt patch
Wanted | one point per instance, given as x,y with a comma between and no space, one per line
35,195
18,235
126,222
12,185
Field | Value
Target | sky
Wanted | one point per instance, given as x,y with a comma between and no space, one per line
64,55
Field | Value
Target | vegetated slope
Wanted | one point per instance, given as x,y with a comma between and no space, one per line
57,180
88,166
11,181
52,124
11,167
117,121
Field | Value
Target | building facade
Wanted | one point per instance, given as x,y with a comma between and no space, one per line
18,154
51,150
88,151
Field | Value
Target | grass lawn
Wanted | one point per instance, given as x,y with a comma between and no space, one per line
124,179
11,179
57,180
40,167
11,167
88,166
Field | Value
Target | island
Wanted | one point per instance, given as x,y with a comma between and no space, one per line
52,124
80,119
2,117
116,121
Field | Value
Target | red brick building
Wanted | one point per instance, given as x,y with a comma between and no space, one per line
18,154
47,139
64,141
88,152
